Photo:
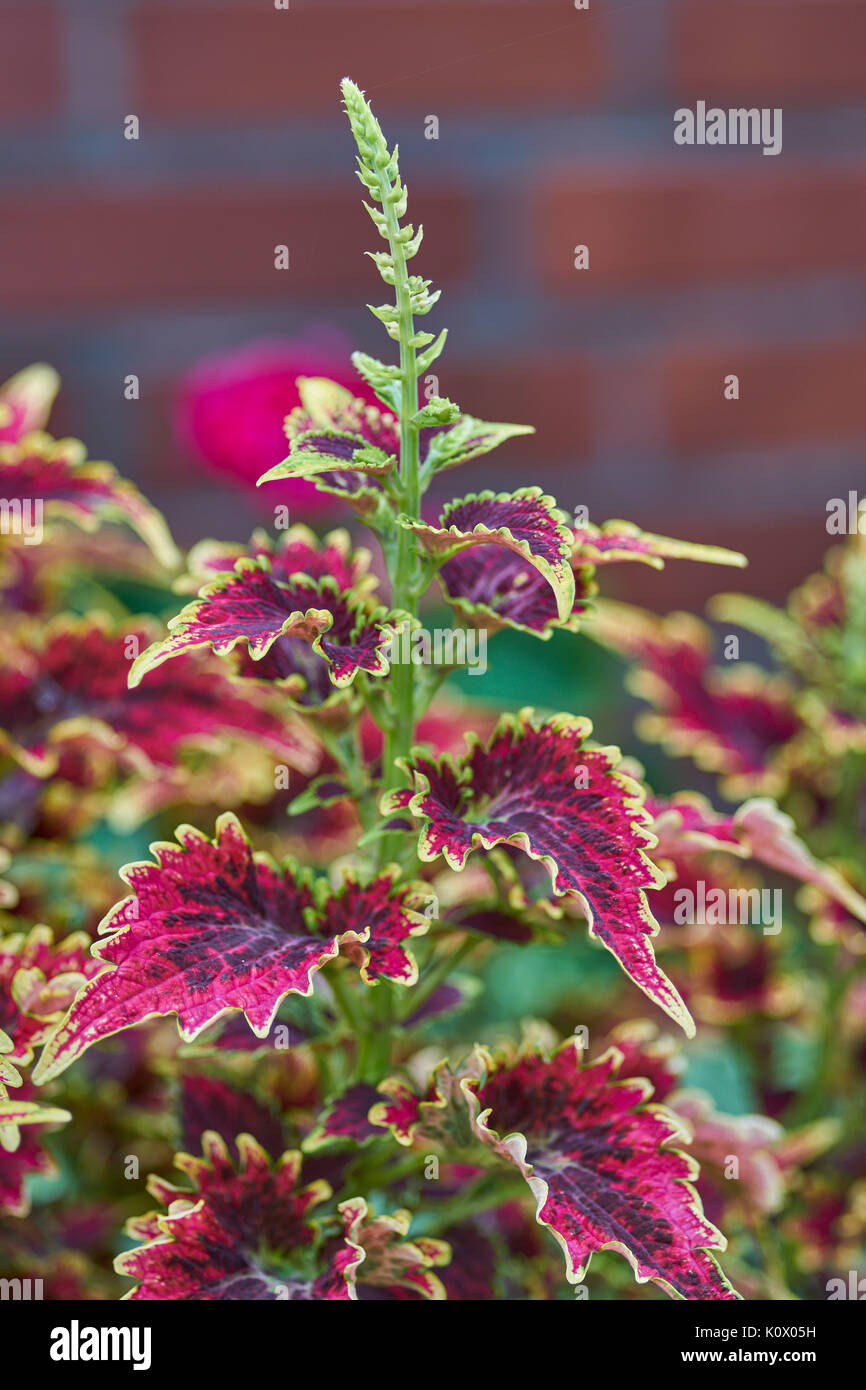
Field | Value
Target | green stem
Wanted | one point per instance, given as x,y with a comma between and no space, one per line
441,970
398,737
343,998
488,1191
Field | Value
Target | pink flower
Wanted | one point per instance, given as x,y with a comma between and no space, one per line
232,407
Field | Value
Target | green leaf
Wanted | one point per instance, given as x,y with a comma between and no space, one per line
385,380
438,411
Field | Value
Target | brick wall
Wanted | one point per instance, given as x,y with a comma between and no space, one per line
555,129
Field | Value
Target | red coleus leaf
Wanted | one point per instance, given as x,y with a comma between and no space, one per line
251,606
687,825
622,540
346,1118
597,1158
738,722
525,522
766,1156
768,836
246,1232
387,1260
65,689
16,1111
329,427
26,400
30,1159
505,590
471,1276
648,1054
464,439
238,1233
326,451
342,443
601,1167
53,472
539,788
207,1103
296,551
38,982
21,1152
212,927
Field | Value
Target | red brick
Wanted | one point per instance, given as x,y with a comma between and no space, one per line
196,63
31,81
77,247
787,395
553,394
769,51
682,226
781,552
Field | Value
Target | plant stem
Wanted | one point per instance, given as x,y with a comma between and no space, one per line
343,998
398,739
490,1190
441,970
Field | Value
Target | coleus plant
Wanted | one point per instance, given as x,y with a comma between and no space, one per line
325,1152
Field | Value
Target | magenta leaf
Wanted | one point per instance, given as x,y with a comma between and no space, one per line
208,1244
30,1159
736,722
296,551
53,472
388,1261
246,1232
346,1118
68,690
505,590
328,451
342,443
687,825
212,928
466,438
622,540
537,787
22,1154
251,606
600,1165
525,522
207,1103
38,982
